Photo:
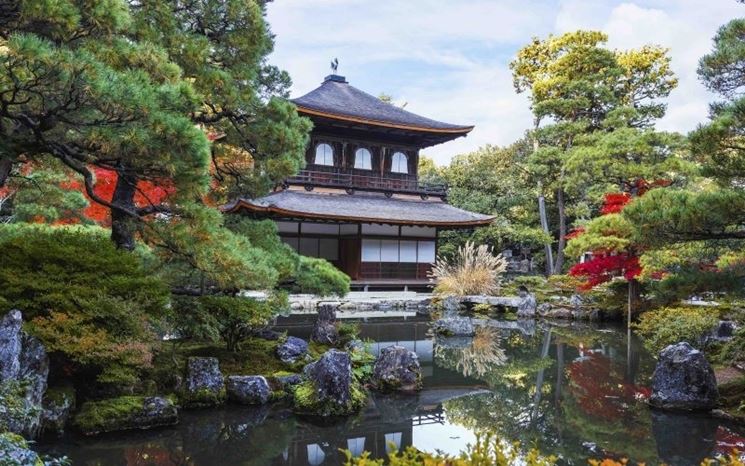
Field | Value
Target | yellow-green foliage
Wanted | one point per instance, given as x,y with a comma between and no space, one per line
306,401
106,415
611,232
473,270
669,325
91,304
488,450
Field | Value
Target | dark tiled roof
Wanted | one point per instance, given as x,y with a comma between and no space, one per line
367,207
336,97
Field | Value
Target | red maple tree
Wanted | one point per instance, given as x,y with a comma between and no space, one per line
603,266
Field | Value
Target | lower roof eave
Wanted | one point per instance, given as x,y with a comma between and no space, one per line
242,205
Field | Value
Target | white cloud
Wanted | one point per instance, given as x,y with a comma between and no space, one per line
449,60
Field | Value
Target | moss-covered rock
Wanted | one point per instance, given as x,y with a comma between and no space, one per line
331,388
202,398
306,401
125,413
205,384
58,404
14,451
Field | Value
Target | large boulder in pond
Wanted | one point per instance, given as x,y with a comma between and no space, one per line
683,380
454,327
329,388
292,350
324,330
248,389
23,360
204,385
125,413
397,368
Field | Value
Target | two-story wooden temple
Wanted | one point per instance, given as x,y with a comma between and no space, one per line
359,202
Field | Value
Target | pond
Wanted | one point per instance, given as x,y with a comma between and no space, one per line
574,390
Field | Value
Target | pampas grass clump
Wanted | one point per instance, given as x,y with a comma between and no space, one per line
473,270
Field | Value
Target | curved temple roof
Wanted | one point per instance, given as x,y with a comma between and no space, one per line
336,99
364,208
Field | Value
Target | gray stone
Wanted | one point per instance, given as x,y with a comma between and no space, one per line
331,377
683,380
454,326
292,350
559,313
58,406
324,330
527,305
543,309
10,345
248,389
23,359
397,368
205,385
14,451
576,301
724,331
287,381
450,305
268,334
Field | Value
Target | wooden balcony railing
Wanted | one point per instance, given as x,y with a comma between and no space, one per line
351,181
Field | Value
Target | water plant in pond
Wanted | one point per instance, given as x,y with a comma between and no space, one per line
472,270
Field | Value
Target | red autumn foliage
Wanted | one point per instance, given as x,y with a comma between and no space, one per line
147,193
575,233
615,202
604,266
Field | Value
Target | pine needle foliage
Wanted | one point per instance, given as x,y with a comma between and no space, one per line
472,270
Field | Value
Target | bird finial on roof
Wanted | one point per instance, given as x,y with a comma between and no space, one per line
335,65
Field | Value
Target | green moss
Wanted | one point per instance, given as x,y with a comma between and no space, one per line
256,357
107,415
316,350
306,401
202,398
122,413
59,395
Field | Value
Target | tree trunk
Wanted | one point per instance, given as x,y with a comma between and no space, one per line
559,264
6,165
122,224
542,204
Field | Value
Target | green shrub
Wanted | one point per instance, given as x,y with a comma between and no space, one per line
320,277
231,319
348,331
669,325
90,304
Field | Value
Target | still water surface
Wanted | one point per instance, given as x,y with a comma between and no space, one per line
576,391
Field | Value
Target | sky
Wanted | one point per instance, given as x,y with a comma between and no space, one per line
449,60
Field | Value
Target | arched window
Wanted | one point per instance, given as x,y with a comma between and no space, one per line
324,154
399,163
362,159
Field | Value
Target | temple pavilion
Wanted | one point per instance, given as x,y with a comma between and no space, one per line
359,202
